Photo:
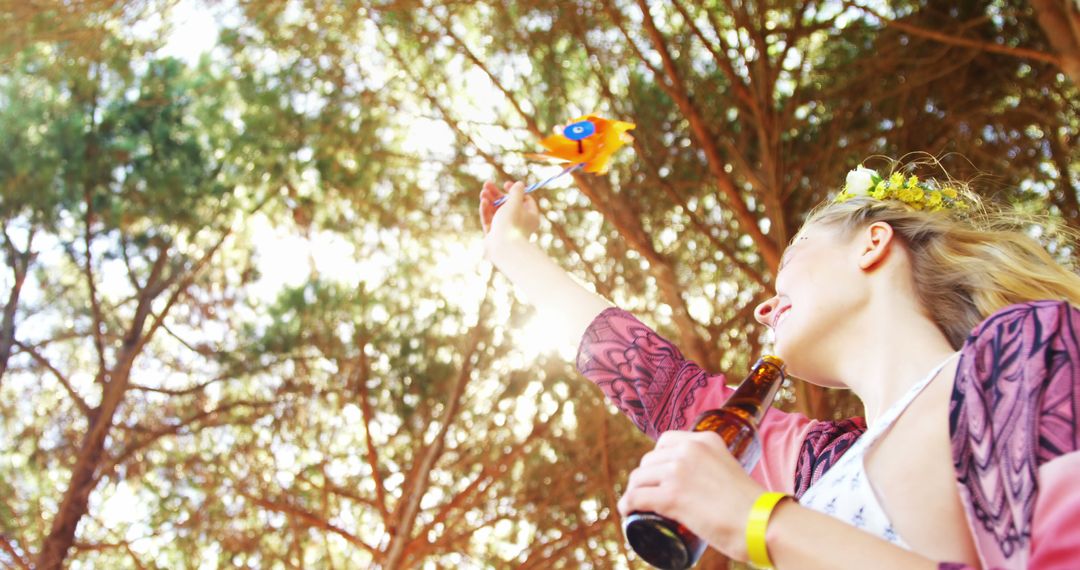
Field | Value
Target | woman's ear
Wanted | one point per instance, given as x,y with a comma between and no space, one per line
875,243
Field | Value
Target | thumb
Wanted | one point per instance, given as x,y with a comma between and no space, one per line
516,195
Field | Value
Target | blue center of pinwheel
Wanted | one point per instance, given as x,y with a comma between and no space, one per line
580,130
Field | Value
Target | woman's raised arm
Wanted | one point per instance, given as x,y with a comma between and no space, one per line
550,289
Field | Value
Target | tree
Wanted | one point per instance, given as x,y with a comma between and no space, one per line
159,406
117,171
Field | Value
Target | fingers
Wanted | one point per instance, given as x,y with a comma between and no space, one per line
702,441
514,196
660,455
488,195
654,484
526,198
649,475
490,192
676,438
651,499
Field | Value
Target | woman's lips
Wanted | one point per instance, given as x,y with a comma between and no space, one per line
779,315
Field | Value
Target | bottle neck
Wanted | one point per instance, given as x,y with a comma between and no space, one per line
755,395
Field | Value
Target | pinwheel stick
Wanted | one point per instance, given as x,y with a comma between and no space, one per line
543,183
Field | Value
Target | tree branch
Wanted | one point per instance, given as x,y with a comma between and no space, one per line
19,262
1060,21
205,416
13,552
83,477
79,402
310,519
672,83
609,482
366,415
88,272
487,474
949,39
416,487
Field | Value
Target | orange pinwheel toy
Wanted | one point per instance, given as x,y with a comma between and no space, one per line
587,143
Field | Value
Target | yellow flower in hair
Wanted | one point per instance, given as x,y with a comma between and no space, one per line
909,190
934,200
911,195
880,191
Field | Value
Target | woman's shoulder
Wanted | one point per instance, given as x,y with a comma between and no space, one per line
1012,411
1023,361
1036,341
1037,319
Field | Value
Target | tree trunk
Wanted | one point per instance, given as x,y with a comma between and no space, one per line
20,264
90,456
1060,21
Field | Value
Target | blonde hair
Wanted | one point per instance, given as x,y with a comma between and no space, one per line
966,264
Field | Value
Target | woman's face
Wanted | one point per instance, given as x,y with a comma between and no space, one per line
818,285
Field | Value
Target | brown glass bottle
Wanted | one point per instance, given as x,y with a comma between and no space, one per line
665,543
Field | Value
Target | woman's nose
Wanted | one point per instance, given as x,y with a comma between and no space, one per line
763,312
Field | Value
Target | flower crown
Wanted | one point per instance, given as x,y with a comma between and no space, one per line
919,195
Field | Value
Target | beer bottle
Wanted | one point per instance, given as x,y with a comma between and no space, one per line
665,543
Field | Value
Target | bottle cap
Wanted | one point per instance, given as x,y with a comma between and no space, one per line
774,360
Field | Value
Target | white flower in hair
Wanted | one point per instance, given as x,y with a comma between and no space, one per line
859,181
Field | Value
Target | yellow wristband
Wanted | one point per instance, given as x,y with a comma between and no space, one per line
756,525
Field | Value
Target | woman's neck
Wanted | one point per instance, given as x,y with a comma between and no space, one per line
881,367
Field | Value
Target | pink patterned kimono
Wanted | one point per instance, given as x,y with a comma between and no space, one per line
1014,423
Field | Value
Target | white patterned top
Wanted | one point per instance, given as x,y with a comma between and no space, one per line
845,491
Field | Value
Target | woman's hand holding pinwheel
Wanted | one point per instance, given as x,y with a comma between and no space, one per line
517,218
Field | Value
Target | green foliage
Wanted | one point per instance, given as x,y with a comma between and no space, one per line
283,413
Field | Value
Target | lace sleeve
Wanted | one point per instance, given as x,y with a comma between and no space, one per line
643,374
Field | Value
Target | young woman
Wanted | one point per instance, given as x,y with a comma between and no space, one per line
961,340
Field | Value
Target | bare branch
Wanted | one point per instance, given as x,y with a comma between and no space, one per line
955,40
6,545
89,457
88,272
183,280
405,513
310,519
19,262
40,359
673,85
207,417
361,380
448,30
479,483
609,484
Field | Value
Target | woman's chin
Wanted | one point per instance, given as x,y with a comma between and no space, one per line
798,365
